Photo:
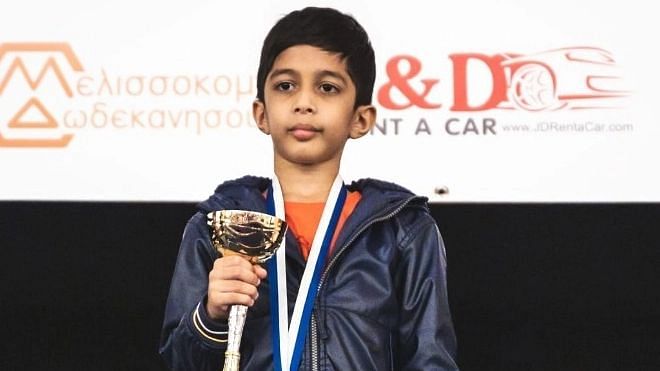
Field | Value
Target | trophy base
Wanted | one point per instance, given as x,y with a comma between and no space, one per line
231,361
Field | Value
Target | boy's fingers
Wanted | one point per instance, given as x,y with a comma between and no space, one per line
219,304
225,293
231,261
260,271
234,272
231,298
232,286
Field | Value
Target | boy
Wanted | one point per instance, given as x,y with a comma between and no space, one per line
380,299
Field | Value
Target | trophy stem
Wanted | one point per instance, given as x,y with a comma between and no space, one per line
237,315
231,361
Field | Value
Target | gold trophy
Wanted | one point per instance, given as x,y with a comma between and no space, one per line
254,236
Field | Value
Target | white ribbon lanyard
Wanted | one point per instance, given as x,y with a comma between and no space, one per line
289,341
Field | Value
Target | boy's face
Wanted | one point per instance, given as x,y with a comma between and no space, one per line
308,107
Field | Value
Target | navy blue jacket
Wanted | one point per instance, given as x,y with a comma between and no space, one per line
382,301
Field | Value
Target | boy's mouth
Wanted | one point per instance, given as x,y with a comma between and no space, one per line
303,131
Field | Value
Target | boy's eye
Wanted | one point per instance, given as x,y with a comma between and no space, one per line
284,86
329,88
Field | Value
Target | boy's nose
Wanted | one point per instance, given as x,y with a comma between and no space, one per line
301,108
304,104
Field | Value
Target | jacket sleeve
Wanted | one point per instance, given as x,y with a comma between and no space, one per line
425,338
189,339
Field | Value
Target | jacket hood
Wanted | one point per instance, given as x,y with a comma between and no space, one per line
243,193
246,193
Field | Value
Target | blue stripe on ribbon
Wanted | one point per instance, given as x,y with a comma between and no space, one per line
272,278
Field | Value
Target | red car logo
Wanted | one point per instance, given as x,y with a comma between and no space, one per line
572,78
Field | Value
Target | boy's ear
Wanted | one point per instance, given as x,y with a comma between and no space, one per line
260,117
363,120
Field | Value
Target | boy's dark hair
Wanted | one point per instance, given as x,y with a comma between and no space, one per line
327,29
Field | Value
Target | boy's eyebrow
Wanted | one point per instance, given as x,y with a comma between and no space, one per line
318,74
283,71
336,75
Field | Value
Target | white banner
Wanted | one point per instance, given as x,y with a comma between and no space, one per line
505,101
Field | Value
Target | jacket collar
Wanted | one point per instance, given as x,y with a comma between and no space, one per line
246,193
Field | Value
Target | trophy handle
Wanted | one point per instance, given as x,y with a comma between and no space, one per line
237,315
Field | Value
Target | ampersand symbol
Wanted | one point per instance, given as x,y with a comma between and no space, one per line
401,83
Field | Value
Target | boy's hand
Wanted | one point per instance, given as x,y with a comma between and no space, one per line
233,280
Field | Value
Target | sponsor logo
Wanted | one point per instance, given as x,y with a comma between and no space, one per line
32,124
566,78
513,90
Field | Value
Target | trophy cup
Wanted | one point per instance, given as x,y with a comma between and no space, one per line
254,236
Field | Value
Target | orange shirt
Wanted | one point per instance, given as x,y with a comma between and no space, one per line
303,218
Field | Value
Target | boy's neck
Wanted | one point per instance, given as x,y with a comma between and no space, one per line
306,183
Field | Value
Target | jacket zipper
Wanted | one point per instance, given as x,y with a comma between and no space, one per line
314,340
315,346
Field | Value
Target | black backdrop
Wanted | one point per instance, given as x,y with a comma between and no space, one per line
532,286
